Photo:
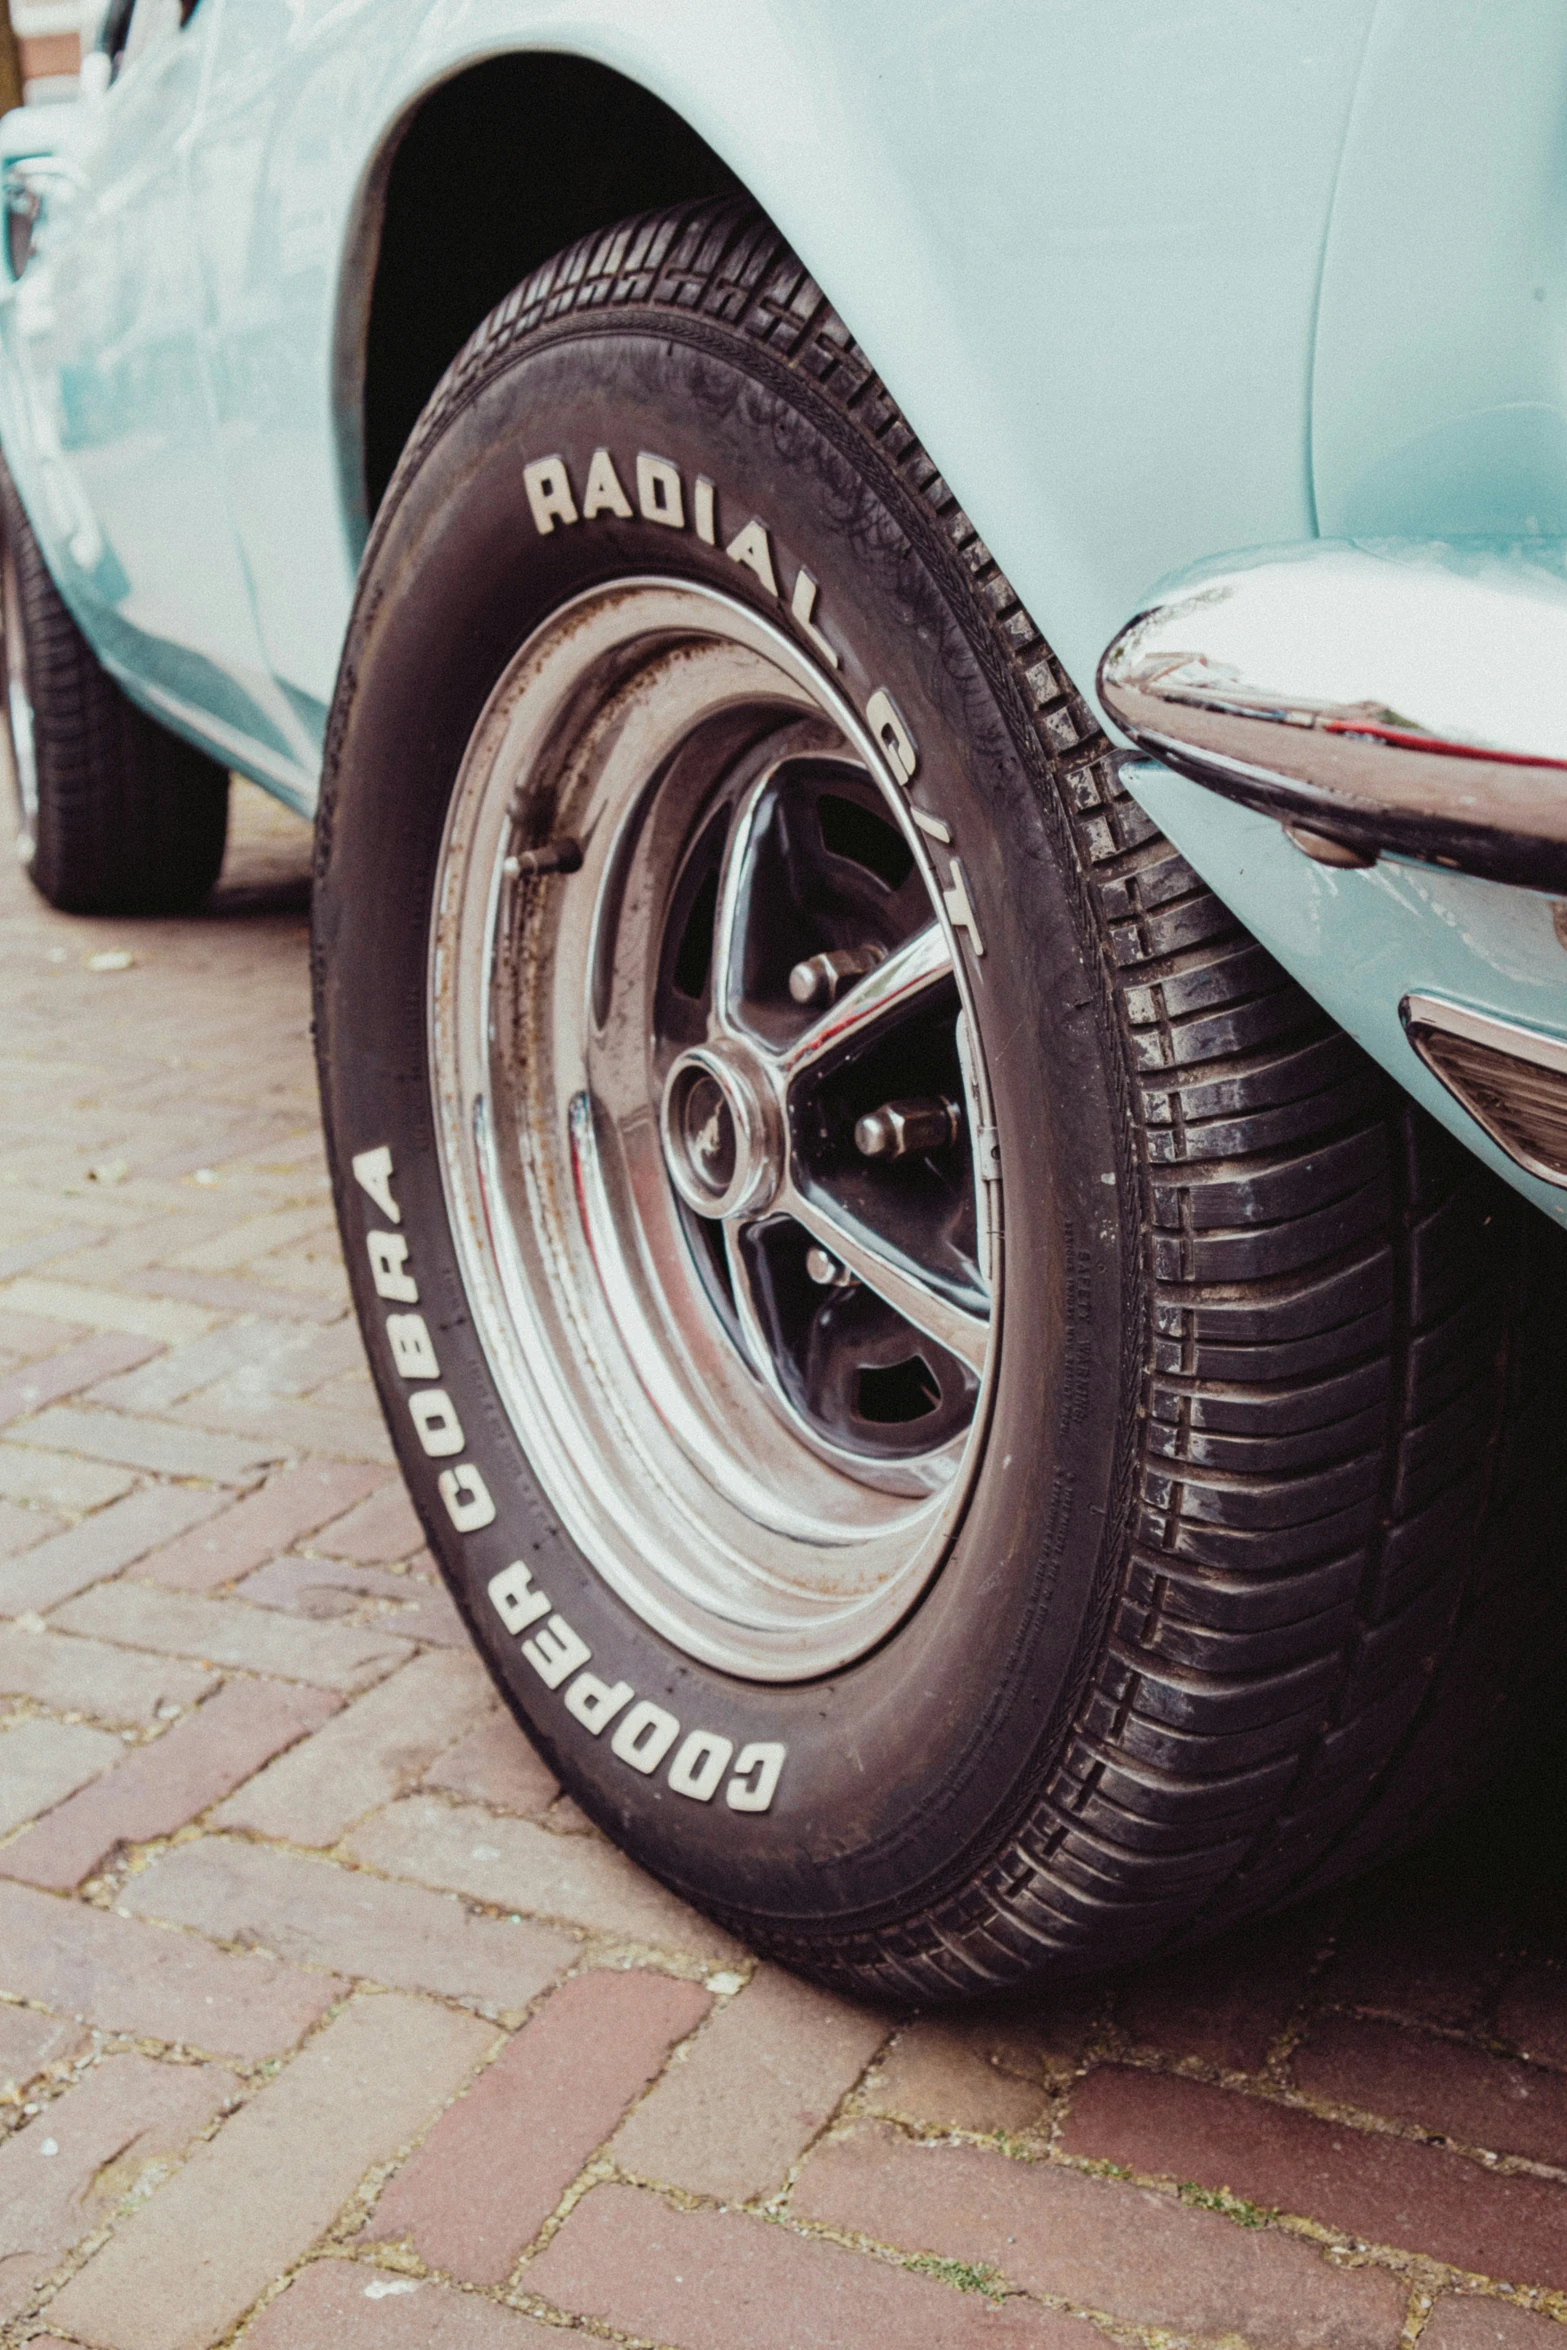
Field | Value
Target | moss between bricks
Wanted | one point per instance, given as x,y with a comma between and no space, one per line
968,2276
1250,2215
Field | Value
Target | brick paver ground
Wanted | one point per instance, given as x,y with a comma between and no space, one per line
326,2020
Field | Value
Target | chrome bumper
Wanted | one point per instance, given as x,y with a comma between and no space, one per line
1386,697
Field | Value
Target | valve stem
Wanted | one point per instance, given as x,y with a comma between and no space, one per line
556,856
899,1127
819,978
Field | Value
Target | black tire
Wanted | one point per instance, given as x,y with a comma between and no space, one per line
1258,1550
117,815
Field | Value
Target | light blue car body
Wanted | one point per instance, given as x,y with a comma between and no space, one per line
1153,279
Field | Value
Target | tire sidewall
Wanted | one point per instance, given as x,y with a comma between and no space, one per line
907,1767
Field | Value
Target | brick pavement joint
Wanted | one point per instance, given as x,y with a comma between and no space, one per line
497,2162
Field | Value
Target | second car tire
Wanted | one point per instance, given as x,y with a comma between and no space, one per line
1182,1389
117,815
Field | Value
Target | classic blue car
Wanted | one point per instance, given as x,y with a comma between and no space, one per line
974,1312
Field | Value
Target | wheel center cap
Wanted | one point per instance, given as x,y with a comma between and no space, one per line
723,1140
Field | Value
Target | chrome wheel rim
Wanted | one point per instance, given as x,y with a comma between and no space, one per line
19,745
746,1335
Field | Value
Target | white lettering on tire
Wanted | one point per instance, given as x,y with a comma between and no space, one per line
434,1415
604,494
802,604
645,1736
960,911
388,1256
661,499
556,1652
885,721
648,1731
413,1349
514,1598
700,1764
595,1703
373,1171
756,1776
659,493
750,547
548,485
467,1498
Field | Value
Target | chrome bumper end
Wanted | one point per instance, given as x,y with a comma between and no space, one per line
1385,697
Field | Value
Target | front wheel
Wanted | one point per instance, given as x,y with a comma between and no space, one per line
967,1420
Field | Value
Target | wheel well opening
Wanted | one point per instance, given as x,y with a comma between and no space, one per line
499,168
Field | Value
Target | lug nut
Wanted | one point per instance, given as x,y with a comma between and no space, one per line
899,1127
820,977
826,1271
